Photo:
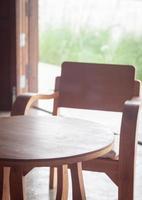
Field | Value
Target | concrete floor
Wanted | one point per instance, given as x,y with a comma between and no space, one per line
97,185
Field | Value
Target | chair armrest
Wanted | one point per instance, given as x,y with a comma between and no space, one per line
129,125
128,143
130,116
23,102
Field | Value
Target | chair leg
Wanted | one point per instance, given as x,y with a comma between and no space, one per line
126,184
62,182
125,192
52,177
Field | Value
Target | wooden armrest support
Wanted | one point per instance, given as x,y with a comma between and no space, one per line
23,102
130,119
128,136
128,146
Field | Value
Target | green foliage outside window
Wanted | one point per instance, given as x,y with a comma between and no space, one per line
63,44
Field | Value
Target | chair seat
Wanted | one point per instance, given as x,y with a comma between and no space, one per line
111,155
114,153
109,119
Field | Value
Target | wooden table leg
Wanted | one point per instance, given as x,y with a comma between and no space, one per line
6,189
62,183
78,191
52,177
1,181
16,186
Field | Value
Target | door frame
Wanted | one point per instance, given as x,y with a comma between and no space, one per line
26,46
33,52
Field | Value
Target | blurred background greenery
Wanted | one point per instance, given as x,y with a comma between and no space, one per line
58,44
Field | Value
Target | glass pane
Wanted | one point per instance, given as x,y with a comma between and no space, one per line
91,31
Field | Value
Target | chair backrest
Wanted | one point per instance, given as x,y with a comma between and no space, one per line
96,86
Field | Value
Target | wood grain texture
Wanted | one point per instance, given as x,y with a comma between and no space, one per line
16,184
7,53
1,181
105,87
27,141
78,191
23,103
95,86
52,178
38,139
62,183
128,151
6,185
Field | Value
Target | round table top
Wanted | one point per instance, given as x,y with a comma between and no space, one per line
51,140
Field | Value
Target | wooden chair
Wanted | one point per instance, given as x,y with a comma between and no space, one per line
104,87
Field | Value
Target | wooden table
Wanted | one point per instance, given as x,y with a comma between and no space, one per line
27,141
